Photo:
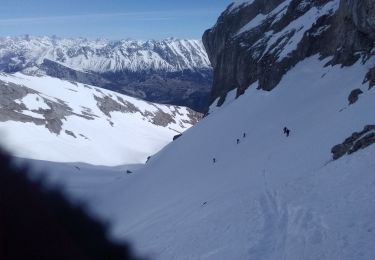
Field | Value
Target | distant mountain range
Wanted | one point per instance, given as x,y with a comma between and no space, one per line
169,71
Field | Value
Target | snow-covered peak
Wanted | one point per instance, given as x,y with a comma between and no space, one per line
103,55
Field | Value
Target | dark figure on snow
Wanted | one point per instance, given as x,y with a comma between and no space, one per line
286,131
214,160
238,141
244,135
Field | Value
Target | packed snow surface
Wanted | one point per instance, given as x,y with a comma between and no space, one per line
89,134
268,197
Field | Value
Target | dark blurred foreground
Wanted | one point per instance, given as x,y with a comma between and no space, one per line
36,223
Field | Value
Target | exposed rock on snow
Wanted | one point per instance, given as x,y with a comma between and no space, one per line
357,141
107,105
354,95
370,77
70,133
12,108
176,137
363,13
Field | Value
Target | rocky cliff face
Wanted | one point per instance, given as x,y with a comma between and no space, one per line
363,15
262,40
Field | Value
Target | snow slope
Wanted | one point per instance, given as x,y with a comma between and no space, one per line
51,119
268,197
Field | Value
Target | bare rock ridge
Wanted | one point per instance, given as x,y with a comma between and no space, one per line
51,117
262,40
108,104
354,96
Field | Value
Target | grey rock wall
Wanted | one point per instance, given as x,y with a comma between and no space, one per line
346,33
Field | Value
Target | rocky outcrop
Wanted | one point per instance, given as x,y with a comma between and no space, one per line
362,13
176,137
354,96
13,109
354,143
259,41
70,133
108,104
370,78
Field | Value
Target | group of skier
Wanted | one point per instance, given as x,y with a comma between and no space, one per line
285,129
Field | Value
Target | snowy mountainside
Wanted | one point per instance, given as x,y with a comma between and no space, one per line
268,197
51,119
170,71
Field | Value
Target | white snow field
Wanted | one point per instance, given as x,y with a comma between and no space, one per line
270,197
113,138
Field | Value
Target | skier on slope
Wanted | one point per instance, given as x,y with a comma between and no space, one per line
286,131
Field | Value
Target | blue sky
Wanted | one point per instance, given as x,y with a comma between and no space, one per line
113,19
